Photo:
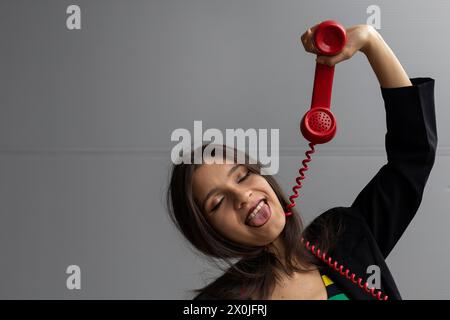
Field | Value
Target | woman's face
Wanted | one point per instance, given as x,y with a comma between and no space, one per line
227,193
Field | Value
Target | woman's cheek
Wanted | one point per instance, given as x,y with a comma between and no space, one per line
233,230
224,226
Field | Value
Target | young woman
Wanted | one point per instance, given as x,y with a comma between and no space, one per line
232,213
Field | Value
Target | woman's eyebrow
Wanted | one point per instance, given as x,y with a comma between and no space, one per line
213,190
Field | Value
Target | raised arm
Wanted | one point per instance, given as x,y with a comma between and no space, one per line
390,200
385,64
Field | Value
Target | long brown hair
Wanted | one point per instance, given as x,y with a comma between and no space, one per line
257,269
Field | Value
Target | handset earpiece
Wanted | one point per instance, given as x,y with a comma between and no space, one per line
318,125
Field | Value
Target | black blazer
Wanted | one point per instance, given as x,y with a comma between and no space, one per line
381,212
384,208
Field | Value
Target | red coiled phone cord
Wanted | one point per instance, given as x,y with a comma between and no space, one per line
300,178
323,256
340,268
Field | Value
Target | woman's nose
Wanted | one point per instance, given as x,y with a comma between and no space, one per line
242,197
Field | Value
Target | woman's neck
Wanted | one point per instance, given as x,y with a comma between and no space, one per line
278,249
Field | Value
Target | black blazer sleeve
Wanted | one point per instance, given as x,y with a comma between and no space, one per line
391,199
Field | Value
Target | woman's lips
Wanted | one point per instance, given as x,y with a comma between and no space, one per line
261,217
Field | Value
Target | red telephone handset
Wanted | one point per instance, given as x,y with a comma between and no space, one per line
318,125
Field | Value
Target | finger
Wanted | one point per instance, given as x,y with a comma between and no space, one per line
313,28
333,60
307,41
329,61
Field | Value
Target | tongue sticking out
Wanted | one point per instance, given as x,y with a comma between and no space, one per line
261,217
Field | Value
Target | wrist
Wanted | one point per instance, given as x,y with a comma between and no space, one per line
385,64
372,38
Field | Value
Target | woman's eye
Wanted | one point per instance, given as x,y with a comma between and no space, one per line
245,177
241,179
216,206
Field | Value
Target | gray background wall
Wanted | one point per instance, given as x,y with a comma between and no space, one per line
86,118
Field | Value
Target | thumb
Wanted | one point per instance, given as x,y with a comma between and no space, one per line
332,60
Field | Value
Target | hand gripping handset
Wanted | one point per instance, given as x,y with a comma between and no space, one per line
318,125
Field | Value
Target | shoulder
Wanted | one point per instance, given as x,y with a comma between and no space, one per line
328,222
336,219
334,225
